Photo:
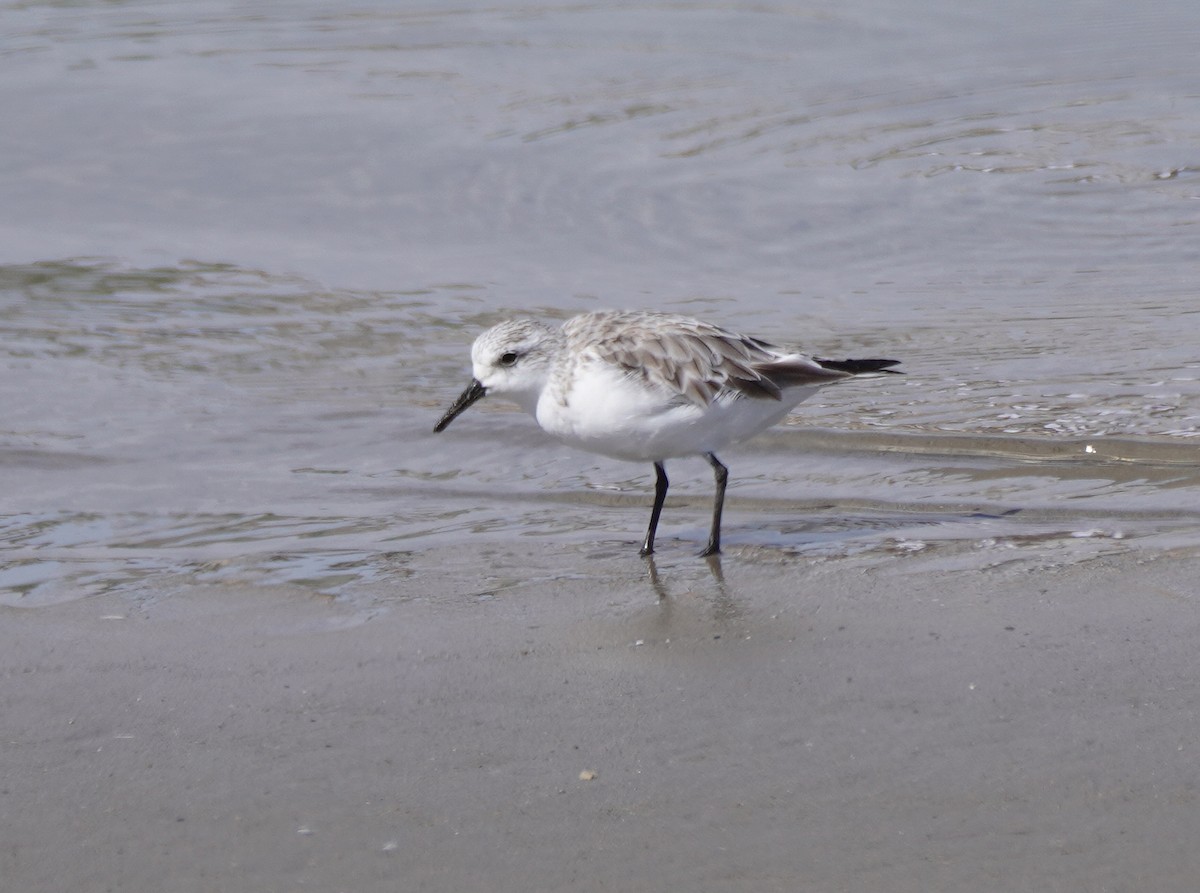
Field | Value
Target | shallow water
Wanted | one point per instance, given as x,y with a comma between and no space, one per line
243,255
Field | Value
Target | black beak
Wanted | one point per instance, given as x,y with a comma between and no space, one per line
473,392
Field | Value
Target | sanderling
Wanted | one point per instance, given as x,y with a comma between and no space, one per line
643,386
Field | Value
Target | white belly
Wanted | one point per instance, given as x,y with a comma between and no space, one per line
610,414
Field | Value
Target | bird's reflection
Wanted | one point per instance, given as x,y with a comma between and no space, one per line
724,606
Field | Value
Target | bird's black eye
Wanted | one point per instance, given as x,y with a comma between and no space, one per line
509,359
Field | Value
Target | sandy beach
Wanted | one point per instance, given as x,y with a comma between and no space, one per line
263,631
796,725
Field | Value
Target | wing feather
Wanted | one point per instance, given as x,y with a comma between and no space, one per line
694,360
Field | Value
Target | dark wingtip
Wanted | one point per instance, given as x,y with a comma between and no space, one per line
858,367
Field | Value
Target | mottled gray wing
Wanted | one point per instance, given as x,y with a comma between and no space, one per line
694,359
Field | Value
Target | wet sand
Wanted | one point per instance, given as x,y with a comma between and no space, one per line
904,725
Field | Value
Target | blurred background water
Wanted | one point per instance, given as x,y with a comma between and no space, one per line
244,249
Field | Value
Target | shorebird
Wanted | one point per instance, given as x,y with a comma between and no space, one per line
644,386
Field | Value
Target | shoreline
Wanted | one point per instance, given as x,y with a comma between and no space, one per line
796,725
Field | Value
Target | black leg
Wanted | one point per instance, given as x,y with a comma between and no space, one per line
721,474
660,496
